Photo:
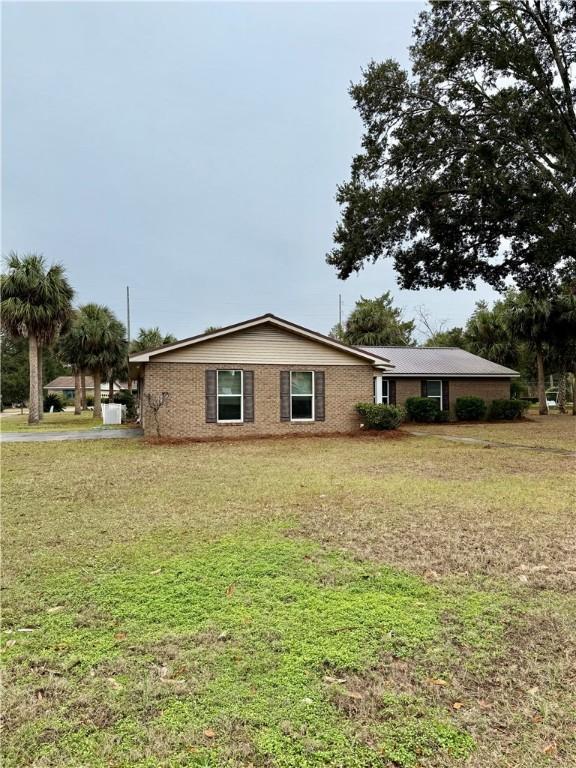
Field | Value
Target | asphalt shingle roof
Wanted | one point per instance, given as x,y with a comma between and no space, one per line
438,361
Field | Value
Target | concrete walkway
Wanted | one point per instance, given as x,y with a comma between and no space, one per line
490,443
79,434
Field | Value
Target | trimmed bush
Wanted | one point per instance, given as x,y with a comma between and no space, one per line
380,416
89,401
507,410
54,401
470,408
125,397
422,409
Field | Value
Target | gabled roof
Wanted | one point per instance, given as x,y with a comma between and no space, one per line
440,361
299,330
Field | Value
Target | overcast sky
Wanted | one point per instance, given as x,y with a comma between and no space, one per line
193,151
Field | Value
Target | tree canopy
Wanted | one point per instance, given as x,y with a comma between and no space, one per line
36,304
376,322
451,337
150,338
468,167
97,343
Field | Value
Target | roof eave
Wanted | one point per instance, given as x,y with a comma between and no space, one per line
420,374
144,357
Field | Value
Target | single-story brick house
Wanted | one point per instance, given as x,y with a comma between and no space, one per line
441,373
268,376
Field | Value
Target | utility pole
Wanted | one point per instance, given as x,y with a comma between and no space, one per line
340,310
129,382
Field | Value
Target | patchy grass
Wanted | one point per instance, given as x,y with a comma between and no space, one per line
556,430
52,422
314,602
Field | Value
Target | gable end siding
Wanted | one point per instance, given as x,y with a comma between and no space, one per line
265,344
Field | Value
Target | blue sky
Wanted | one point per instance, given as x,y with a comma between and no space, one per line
192,151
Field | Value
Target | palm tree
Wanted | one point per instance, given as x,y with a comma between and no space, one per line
531,320
563,342
118,372
488,335
150,338
102,340
36,304
72,352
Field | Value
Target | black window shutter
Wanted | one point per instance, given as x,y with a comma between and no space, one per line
211,399
423,388
284,395
392,391
248,395
445,395
319,396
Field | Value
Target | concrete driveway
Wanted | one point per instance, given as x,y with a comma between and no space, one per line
80,434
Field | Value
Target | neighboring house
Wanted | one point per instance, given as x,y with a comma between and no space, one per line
64,385
268,376
441,373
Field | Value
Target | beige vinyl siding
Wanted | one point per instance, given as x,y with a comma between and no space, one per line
264,344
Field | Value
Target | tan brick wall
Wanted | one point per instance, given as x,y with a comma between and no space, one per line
487,389
406,388
184,416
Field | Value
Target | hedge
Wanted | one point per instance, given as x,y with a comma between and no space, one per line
470,408
380,416
422,409
507,410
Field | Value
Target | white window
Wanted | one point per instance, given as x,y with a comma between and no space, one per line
302,395
381,390
230,400
434,391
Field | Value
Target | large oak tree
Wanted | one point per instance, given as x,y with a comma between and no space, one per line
468,166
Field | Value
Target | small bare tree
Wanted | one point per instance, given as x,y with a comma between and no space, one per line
155,404
426,325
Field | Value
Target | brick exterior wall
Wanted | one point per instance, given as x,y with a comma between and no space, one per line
184,416
487,389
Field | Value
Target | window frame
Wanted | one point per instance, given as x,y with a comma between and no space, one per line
241,396
312,395
439,397
379,397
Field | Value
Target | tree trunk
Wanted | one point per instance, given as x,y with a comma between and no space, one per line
574,392
97,395
543,408
83,388
40,382
111,390
562,382
33,417
77,393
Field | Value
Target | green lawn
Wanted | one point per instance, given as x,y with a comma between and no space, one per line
52,422
353,602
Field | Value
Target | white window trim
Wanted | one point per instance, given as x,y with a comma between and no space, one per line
311,395
241,396
439,397
379,397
